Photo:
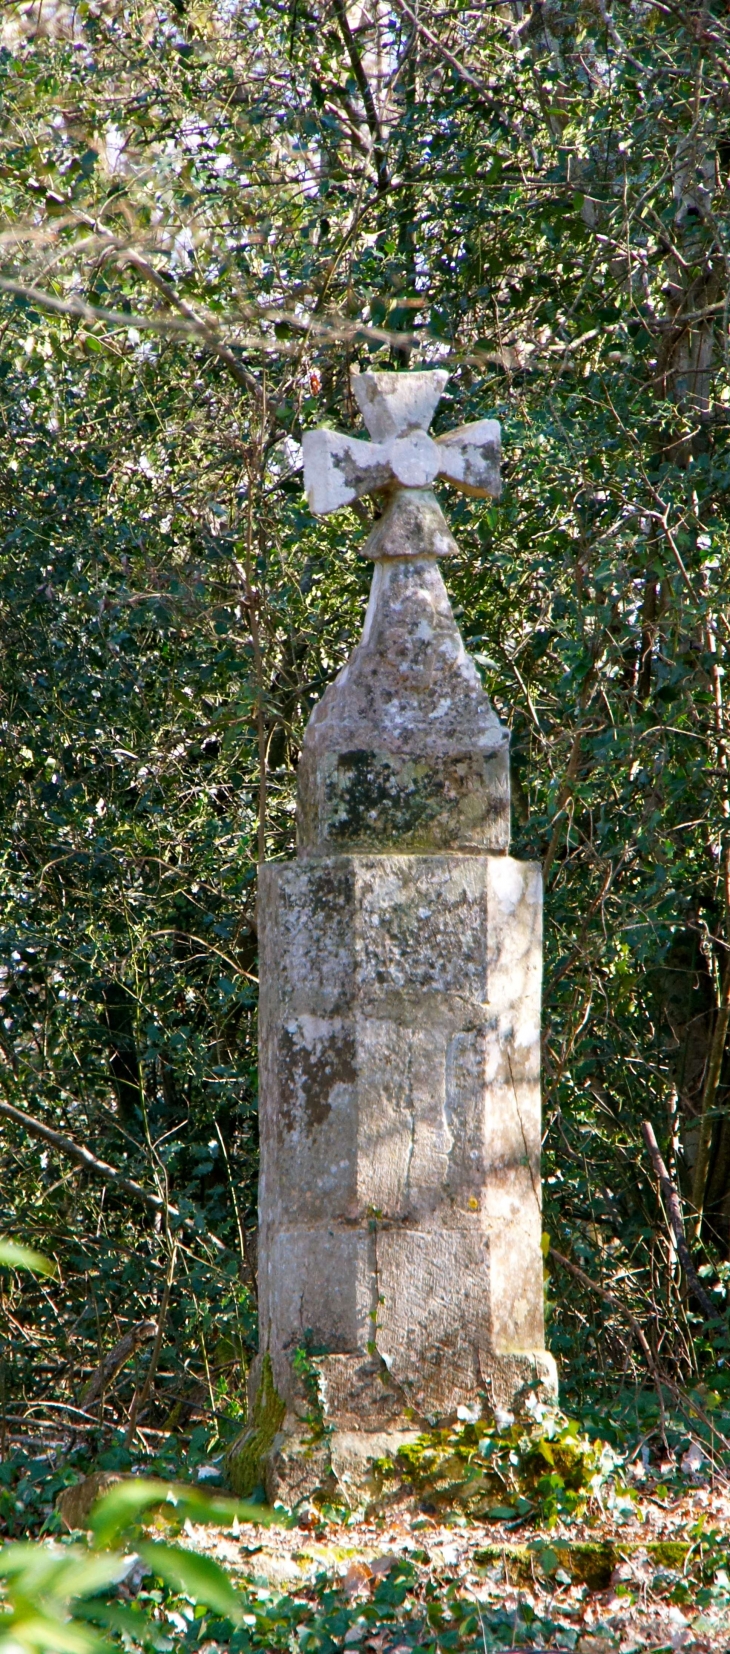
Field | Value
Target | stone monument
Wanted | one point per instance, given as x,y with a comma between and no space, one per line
400,1267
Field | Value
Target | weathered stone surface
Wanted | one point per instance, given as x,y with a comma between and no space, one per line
295,1466
320,1288
354,1456
508,1379
397,409
435,1313
377,1059
75,1504
400,1137
400,962
391,403
341,468
346,1462
412,526
404,750
247,1456
356,1387
469,458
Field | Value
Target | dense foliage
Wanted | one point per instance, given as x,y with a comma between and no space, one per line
209,213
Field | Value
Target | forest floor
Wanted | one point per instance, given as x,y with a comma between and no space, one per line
402,1580
592,1549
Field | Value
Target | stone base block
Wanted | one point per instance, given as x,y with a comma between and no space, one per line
359,1393
509,1379
295,1463
365,1417
295,1467
354,1458
343,1463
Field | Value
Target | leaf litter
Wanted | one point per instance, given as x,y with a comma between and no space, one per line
655,1576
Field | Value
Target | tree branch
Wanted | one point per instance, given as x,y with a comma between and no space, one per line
676,1223
659,1379
709,1094
561,801
610,1298
365,90
207,332
480,86
100,1168
112,1363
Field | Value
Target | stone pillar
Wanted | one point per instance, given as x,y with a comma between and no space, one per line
400,1267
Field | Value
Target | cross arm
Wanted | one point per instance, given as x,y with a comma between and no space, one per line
470,458
340,468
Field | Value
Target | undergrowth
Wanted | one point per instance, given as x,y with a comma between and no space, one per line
541,1465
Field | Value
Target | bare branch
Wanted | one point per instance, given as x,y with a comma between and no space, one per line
676,1222
100,1168
366,93
117,1358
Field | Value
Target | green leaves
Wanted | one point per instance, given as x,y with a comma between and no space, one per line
51,1590
199,1577
48,1590
122,1507
55,1572
13,1256
542,1465
42,1584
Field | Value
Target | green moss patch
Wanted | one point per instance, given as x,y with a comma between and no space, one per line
244,1459
586,1562
543,1466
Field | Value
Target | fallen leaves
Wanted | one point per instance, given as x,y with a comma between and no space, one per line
358,1576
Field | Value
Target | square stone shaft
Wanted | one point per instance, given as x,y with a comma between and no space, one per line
400,1123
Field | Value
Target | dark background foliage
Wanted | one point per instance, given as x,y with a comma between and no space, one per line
209,213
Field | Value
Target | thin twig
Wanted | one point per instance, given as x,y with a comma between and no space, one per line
83,1157
139,1400
243,1244
610,1298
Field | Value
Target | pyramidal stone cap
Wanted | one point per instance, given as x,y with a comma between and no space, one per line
404,753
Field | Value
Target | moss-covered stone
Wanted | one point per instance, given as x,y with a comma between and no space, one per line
377,801
586,1562
244,1460
74,1503
668,1553
404,753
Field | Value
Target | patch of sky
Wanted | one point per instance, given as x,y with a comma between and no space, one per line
115,143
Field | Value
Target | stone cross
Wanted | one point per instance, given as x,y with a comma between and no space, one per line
400,1267
397,409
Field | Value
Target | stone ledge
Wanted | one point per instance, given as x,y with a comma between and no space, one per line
298,1466
587,1562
